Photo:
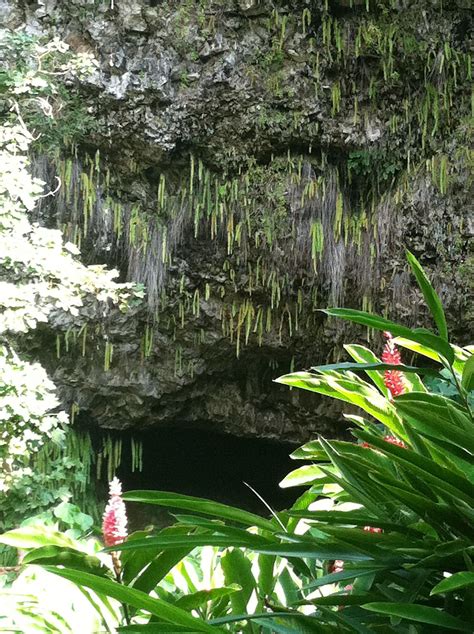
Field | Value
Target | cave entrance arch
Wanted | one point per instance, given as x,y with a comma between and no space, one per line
207,464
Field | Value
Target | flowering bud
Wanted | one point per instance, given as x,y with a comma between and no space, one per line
114,523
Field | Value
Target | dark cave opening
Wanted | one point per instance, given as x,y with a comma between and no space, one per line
206,464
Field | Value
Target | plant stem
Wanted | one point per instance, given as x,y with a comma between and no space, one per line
118,576
461,391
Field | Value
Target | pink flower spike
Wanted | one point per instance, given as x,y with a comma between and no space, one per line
114,523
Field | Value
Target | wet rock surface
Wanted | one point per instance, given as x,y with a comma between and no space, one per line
263,100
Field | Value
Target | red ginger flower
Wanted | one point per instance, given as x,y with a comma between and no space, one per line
395,441
114,523
337,566
393,378
391,439
373,529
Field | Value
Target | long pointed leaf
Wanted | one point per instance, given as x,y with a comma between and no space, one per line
454,582
421,336
345,366
361,354
187,541
430,295
468,374
198,505
135,598
358,393
424,466
420,614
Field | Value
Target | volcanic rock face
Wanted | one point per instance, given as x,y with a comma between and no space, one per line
250,162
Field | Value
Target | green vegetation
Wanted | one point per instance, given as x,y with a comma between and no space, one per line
32,74
347,107
41,278
380,540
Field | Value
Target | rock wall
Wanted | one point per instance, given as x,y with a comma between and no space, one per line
250,162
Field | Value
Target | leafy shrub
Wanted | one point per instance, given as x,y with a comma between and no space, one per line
381,540
41,278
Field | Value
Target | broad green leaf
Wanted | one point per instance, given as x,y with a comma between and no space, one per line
345,366
438,402
266,579
134,563
363,355
304,500
460,354
425,468
363,423
459,417
34,536
430,295
345,389
376,368
135,598
300,619
303,475
454,582
419,335
310,451
219,528
167,542
420,614
201,597
418,348
419,444
441,561
159,568
67,557
353,518
314,550
372,542
355,478
238,570
348,573
198,505
455,458
341,616
290,590
435,513
468,374
433,420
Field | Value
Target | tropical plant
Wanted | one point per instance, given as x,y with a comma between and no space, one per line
381,540
30,597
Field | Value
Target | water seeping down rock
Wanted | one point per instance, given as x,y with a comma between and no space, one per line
250,162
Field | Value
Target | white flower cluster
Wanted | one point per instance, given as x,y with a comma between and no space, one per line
40,274
27,398
18,190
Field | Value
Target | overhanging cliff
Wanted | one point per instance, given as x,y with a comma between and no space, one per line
250,162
